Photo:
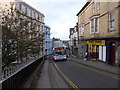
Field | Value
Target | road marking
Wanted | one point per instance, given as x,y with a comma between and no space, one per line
66,78
102,72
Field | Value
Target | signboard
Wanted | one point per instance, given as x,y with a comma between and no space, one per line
59,48
95,42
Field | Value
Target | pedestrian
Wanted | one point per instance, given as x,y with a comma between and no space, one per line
86,55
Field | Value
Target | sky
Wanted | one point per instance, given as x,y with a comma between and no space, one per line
60,15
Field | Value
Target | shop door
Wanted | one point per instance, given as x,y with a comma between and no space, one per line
112,54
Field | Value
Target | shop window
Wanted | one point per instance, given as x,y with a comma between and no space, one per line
94,49
102,53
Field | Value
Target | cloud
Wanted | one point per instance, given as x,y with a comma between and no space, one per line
67,19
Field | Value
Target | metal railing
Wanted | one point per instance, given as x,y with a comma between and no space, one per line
13,73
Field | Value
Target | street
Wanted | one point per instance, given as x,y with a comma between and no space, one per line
69,74
64,44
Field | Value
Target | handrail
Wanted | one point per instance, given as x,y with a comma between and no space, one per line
12,70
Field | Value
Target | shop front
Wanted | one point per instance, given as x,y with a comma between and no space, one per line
96,50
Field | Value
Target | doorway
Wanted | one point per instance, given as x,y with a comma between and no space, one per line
112,53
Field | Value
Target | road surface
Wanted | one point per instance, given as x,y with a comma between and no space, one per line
68,74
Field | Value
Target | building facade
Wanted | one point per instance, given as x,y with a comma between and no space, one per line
71,31
47,41
56,42
22,31
73,40
99,31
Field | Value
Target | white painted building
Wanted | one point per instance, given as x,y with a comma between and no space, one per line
73,40
57,43
47,41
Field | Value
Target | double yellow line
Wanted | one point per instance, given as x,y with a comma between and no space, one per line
68,80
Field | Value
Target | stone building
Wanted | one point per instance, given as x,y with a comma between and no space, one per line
23,31
99,31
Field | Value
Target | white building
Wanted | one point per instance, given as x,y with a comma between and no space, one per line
57,43
47,41
73,40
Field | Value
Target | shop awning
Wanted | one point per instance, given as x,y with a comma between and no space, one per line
102,38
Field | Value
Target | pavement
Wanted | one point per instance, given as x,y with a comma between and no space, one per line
97,64
43,81
49,77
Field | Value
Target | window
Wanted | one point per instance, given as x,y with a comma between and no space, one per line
38,17
20,6
28,12
98,7
81,30
34,15
17,6
25,10
38,27
98,4
94,25
111,21
31,13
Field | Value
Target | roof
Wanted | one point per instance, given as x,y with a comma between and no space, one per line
87,3
24,3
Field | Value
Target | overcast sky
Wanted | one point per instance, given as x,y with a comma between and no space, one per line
59,15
